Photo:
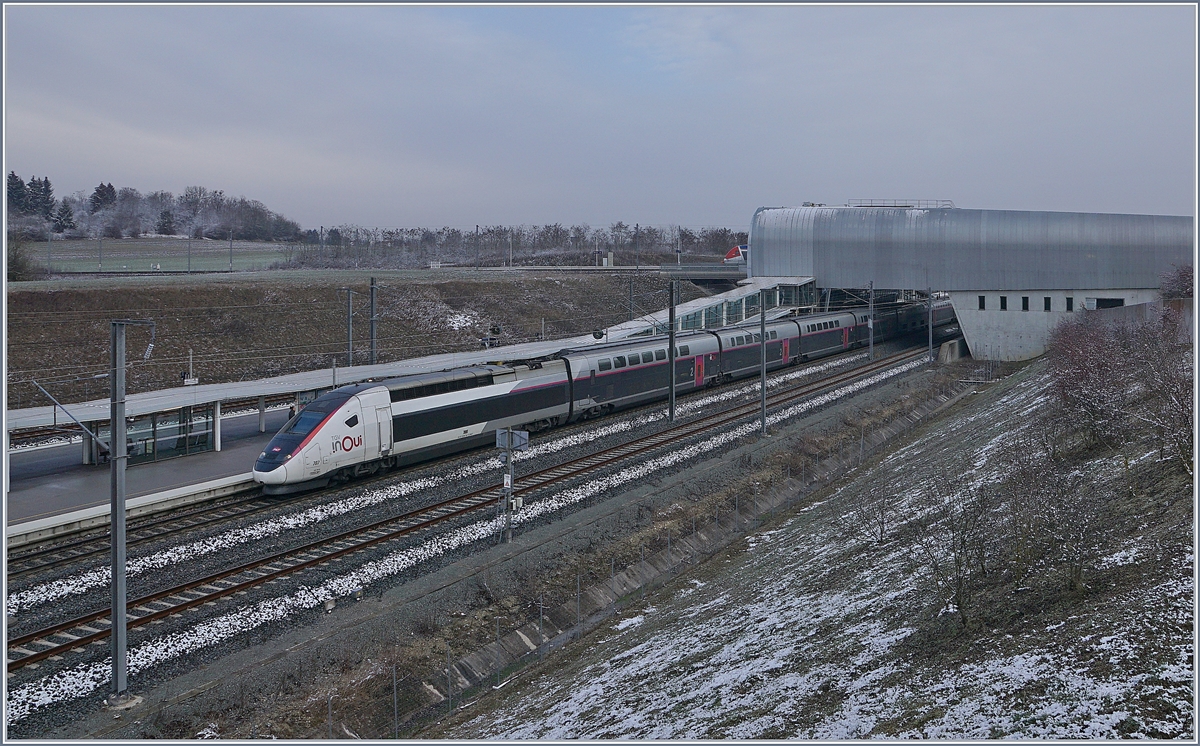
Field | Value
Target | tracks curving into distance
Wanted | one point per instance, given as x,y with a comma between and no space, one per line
54,641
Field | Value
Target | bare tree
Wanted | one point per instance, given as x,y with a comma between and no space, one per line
869,516
953,540
1177,282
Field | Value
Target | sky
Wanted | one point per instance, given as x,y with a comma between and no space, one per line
404,116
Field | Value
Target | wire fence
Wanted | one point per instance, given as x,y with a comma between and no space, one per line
401,702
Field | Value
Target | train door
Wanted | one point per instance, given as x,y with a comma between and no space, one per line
383,420
845,337
786,358
312,458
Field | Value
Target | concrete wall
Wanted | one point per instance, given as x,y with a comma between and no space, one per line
1013,334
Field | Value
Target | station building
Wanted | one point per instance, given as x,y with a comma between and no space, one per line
1011,275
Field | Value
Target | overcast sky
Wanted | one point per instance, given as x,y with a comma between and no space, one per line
429,116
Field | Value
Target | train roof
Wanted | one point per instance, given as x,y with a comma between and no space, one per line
422,379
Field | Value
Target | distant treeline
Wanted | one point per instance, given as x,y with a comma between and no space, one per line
108,212
353,245
34,213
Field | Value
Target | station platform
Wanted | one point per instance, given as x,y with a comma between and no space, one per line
46,483
49,486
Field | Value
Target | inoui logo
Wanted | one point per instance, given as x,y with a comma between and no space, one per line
347,443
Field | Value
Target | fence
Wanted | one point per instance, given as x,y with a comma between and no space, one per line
517,649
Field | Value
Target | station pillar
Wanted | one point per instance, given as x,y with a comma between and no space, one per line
216,426
262,414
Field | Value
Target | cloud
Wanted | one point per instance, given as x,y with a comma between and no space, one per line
423,115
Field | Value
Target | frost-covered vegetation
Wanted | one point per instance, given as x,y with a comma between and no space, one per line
502,245
1004,575
34,212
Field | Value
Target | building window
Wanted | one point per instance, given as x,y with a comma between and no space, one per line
982,303
1024,302
1046,303
1070,303
1004,303
1110,302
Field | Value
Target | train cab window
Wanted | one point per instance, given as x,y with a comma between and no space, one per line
660,354
305,422
619,361
352,421
647,357
605,365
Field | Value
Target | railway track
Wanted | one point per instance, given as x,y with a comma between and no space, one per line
24,561
74,635
90,543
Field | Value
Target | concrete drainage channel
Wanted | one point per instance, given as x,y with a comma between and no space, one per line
471,676
267,664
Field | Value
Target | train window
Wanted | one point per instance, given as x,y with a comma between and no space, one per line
660,354
605,365
619,361
758,339
352,421
837,322
306,421
647,357
683,351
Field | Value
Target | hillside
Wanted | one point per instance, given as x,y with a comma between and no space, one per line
258,324
810,630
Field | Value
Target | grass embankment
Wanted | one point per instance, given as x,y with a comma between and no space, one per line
241,327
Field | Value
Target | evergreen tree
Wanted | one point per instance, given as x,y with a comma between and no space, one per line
18,195
33,188
166,223
102,196
41,197
64,219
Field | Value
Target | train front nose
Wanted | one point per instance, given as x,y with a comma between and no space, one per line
277,475
274,462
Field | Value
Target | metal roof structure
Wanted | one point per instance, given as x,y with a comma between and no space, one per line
963,249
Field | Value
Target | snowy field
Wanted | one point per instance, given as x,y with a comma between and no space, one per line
805,635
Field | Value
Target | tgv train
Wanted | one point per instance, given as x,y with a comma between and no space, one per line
359,429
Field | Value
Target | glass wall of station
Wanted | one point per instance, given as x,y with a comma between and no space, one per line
161,435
